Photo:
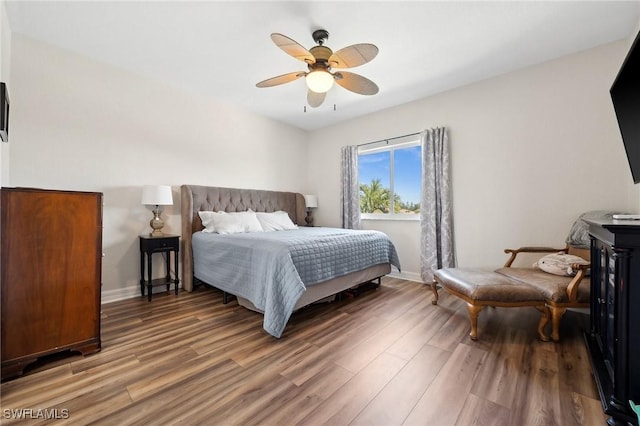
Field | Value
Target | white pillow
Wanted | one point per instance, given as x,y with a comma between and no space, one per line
276,221
207,220
230,223
559,264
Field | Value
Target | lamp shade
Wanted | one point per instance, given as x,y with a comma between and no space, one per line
157,195
319,81
311,201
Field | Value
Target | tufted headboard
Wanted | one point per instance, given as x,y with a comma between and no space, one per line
195,198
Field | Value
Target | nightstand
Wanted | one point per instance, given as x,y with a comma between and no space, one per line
163,244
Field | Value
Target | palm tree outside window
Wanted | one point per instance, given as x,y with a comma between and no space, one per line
390,180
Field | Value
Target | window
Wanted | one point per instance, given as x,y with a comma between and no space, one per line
390,176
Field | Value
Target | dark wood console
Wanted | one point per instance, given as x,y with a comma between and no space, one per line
614,339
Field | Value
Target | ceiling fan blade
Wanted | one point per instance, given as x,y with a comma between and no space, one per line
281,79
315,99
353,56
356,83
292,48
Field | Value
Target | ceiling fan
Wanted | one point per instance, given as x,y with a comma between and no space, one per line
320,62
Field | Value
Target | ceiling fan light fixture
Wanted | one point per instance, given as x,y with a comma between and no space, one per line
320,60
319,81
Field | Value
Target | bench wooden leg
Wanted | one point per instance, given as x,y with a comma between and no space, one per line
556,316
474,312
544,319
434,289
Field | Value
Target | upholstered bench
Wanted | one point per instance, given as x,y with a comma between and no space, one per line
559,292
480,288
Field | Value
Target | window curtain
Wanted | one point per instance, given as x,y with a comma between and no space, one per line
436,218
350,191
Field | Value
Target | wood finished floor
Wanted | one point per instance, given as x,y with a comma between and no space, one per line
386,357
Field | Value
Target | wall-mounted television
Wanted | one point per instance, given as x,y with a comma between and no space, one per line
4,113
625,94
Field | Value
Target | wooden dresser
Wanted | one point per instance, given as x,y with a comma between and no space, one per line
614,338
51,260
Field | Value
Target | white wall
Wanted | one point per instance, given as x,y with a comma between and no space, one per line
78,124
531,150
629,43
5,76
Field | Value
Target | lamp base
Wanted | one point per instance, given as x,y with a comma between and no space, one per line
309,218
156,224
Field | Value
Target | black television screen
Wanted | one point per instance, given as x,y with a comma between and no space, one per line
625,94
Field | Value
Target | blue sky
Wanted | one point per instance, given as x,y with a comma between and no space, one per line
407,171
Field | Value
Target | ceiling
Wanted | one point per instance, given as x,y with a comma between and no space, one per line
222,49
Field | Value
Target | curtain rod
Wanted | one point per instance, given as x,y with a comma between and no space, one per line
390,139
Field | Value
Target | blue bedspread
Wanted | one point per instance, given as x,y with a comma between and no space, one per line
271,269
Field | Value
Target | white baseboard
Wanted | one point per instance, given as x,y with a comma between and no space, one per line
109,296
409,276
129,293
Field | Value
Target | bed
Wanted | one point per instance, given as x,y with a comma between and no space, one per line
211,258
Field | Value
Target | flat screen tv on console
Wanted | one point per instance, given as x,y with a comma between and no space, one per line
625,94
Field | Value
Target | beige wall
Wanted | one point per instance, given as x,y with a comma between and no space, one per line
5,76
82,125
629,43
531,150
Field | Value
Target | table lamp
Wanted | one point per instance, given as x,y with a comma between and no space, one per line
311,201
157,195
